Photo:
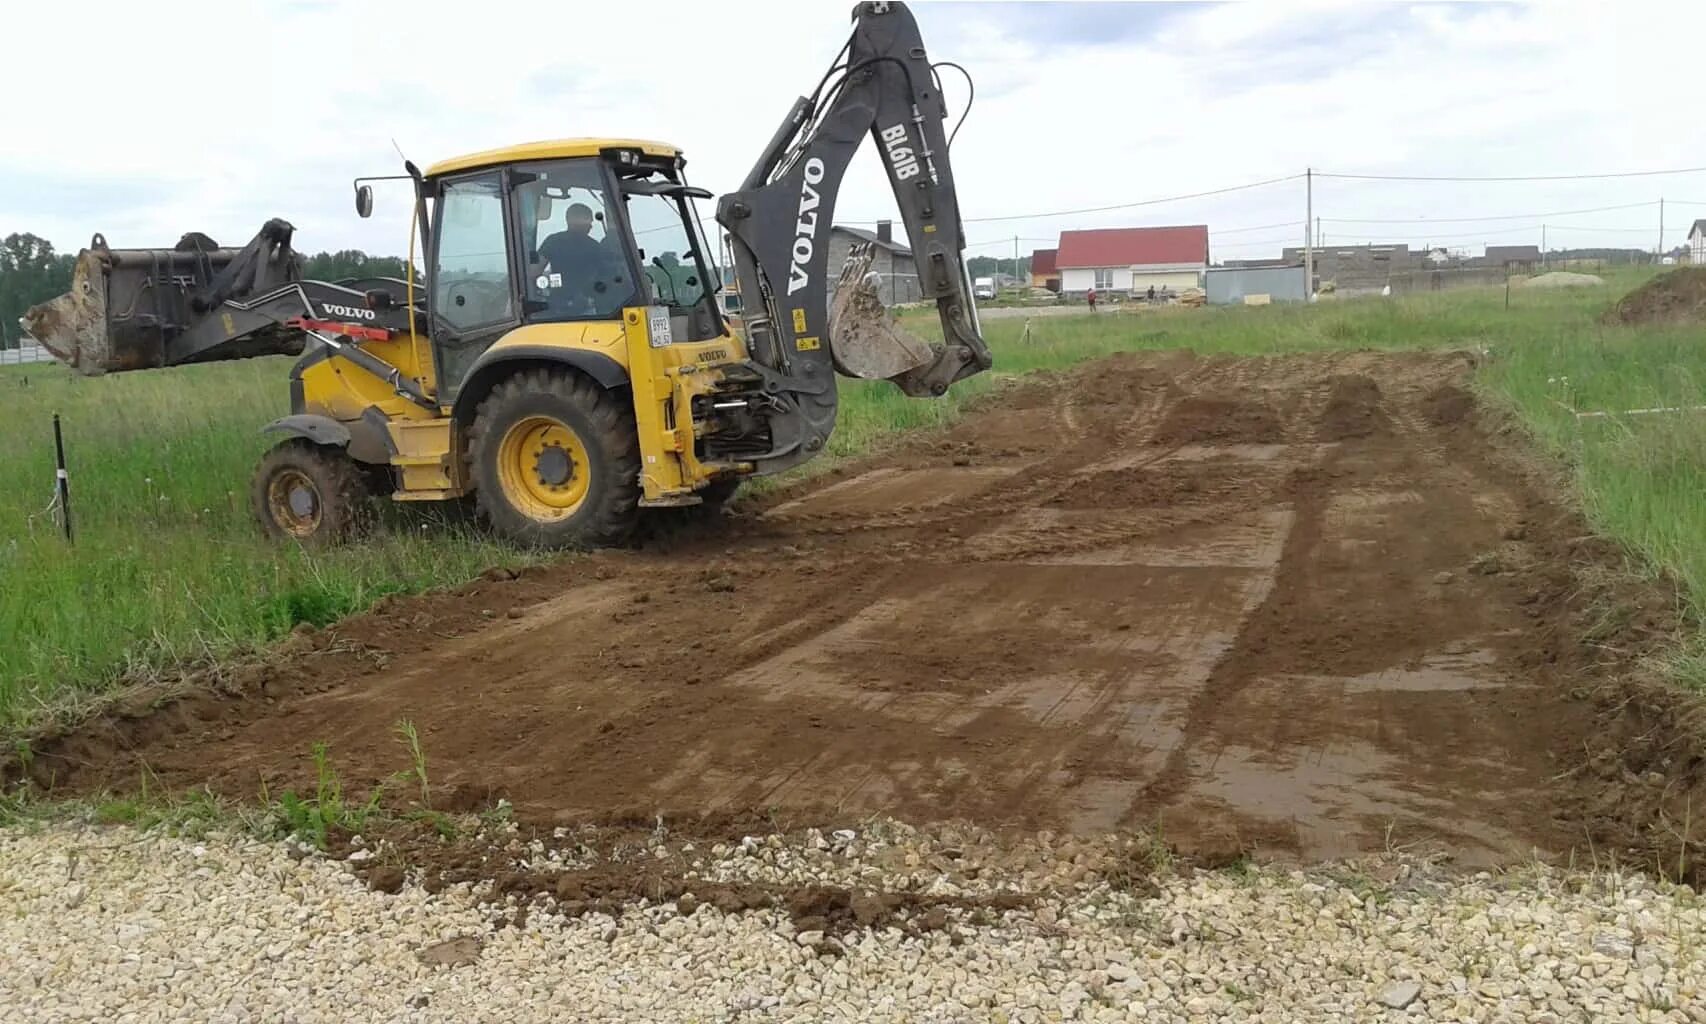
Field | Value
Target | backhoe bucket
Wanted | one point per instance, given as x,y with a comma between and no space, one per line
864,340
126,307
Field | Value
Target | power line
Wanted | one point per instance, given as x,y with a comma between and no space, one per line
1258,227
1444,236
1467,220
1510,177
1117,206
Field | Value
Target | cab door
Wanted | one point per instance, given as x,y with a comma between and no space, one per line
473,298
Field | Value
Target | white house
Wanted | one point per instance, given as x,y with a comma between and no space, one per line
1697,243
1132,260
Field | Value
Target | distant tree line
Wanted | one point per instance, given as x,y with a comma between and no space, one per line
347,263
30,272
989,266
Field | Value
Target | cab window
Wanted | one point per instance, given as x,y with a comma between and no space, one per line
575,266
677,265
472,278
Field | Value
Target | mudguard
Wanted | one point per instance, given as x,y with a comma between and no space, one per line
490,366
367,440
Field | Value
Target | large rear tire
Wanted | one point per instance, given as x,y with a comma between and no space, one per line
309,493
555,461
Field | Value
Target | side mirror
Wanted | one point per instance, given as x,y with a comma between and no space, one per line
364,201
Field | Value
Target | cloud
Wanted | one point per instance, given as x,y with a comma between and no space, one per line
144,126
1048,25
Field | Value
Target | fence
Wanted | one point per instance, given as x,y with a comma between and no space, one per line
26,354
1443,278
1227,286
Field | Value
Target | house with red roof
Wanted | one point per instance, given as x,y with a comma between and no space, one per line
1132,260
1044,273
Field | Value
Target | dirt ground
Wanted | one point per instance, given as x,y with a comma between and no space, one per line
1674,297
1306,606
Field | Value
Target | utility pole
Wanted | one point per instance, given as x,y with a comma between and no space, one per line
1660,251
1543,244
1016,259
1308,235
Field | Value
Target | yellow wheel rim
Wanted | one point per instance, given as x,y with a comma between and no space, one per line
543,466
294,502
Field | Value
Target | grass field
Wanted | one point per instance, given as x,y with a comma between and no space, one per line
167,566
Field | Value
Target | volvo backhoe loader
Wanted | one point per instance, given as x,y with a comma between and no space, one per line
565,359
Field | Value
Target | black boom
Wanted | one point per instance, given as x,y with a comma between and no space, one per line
781,217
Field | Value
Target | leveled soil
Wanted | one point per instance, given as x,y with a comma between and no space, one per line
1308,606
1674,297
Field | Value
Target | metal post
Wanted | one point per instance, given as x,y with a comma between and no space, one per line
62,482
1308,233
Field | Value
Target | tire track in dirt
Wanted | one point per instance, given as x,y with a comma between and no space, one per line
1241,598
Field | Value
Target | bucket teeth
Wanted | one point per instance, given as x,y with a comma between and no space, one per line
864,340
73,326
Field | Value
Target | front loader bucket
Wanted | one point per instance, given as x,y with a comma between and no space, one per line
73,327
864,340
126,307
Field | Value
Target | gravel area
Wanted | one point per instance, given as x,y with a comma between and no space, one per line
111,924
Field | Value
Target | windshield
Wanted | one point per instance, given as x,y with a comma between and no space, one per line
678,268
576,269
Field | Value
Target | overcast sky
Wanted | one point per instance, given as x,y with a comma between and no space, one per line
144,121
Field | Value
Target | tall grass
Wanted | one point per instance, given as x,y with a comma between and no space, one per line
168,566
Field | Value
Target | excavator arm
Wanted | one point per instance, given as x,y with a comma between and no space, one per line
779,225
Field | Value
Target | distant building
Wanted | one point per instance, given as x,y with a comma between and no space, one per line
1132,260
1513,257
1045,273
1697,242
1231,286
1357,266
892,261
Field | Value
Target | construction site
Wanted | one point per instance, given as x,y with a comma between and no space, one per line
613,609
1311,608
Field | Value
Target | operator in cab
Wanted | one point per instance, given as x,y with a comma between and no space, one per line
579,260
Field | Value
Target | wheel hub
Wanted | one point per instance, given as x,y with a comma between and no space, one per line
295,503
554,466
303,502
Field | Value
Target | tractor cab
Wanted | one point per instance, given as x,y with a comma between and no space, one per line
559,233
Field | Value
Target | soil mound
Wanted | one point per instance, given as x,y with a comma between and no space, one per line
1203,420
1353,411
1564,279
1676,297
1447,405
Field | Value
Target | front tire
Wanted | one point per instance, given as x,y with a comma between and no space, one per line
555,461
309,493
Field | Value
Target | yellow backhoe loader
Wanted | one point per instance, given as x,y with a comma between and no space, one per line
565,359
